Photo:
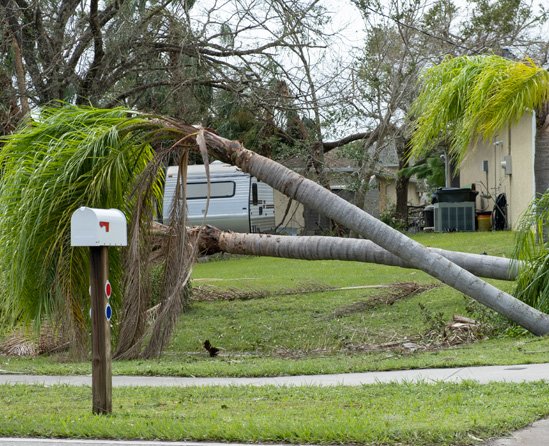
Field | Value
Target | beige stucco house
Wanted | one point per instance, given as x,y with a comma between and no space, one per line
504,165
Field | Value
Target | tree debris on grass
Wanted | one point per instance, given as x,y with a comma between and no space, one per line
25,343
397,291
17,344
210,293
460,330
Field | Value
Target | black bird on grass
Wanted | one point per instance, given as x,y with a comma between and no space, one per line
213,351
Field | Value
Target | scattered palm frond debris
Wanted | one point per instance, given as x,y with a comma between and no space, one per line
405,345
460,330
26,343
18,344
397,291
213,293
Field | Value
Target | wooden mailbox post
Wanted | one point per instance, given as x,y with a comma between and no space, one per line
99,229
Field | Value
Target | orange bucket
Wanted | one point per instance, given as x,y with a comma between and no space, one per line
484,222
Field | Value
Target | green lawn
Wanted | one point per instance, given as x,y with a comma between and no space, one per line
389,414
321,332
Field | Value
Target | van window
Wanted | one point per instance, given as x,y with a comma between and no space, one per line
255,197
220,189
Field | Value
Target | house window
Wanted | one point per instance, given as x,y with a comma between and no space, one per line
219,189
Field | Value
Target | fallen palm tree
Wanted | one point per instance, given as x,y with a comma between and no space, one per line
213,240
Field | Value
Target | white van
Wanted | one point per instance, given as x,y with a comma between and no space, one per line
238,201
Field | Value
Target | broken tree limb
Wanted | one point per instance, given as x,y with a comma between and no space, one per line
334,248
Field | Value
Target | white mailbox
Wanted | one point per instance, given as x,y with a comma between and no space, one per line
98,227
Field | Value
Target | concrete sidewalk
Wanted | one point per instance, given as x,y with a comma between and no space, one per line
535,435
483,375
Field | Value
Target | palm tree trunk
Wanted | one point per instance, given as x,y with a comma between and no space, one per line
315,196
402,180
213,240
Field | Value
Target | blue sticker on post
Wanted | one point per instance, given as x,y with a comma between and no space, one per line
108,312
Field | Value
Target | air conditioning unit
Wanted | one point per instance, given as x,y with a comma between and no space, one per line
450,217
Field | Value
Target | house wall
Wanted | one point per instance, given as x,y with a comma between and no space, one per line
372,202
294,222
516,141
388,194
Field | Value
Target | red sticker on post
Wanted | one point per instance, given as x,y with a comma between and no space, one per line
108,289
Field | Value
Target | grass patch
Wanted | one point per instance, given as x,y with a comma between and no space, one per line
500,351
418,414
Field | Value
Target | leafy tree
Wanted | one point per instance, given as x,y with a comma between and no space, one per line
430,169
11,110
498,26
402,38
271,127
162,56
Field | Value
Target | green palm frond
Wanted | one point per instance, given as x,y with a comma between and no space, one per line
470,97
67,158
532,248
